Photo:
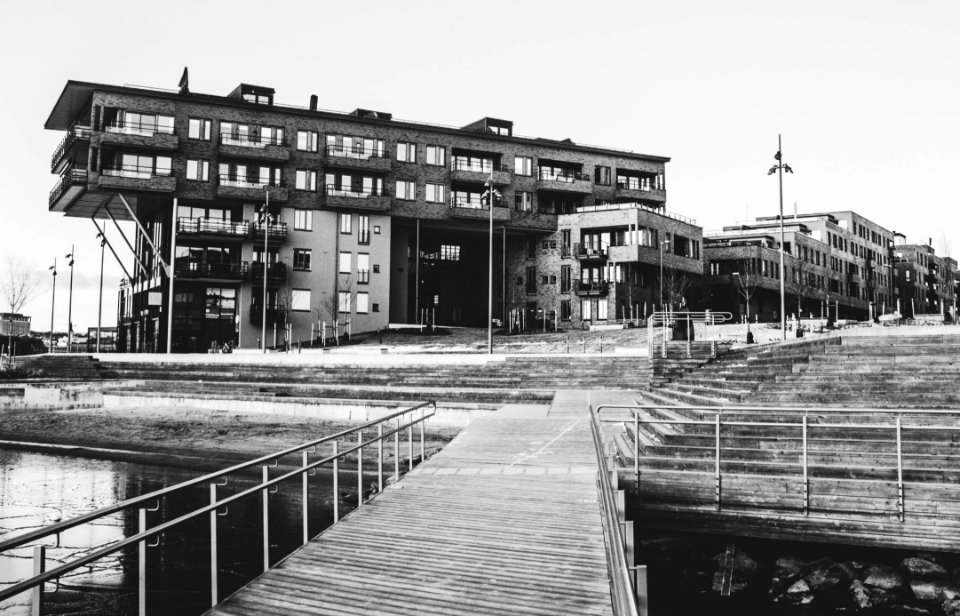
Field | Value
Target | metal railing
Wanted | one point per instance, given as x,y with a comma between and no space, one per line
331,190
136,172
487,166
608,207
556,175
625,588
356,153
251,141
589,249
69,178
810,418
74,133
215,226
224,180
146,129
200,269
391,425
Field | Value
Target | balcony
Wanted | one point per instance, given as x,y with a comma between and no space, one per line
340,198
276,274
252,191
590,252
628,254
477,173
277,232
275,316
565,181
357,158
139,135
636,191
210,272
136,180
248,146
77,136
591,288
213,228
69,187
473,209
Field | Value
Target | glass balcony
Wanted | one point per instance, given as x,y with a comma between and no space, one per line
149,135
560,180
347,198
249,189
590,251
235,272
358,157
276,273
591,288
277,232
216,227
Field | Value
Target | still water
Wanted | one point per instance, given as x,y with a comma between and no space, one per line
40,489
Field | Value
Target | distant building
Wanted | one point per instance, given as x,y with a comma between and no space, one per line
837,264
926,282
108,339
13,324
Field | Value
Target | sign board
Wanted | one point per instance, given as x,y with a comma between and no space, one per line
155,298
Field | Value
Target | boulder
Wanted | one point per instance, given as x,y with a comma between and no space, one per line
951,607
788,567
921,569
884,577
865,597
828,577
924,590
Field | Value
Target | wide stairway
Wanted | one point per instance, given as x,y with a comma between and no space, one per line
62,367
848,439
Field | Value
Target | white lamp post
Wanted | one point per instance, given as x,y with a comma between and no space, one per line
781,167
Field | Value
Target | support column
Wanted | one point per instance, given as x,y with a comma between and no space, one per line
170,274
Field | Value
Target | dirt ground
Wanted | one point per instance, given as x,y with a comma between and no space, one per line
173,435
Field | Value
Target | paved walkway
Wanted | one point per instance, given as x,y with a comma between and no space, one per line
504,520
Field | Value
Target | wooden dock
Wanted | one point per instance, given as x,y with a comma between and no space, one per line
504,520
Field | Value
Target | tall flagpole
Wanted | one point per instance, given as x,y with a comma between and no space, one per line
490,270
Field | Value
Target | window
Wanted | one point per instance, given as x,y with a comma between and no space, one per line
531,279
602,176
436,155
343,301
435,193
363,229
138,166
585,313
271,135
198,170
532,249
363,302
376,229
346,259
406,189
602,310
221,303
406,152
303,220
306,179
307,140
544,279
376,307
345,223
361,148
449,252
565,310
376,268
363,269
523,201
523,165
565,278
199,129
301,259
300,300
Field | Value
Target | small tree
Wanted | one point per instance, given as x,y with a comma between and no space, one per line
19,284
676,286
746,282
329,306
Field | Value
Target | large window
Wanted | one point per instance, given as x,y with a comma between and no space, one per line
249,176
531,279
449,252
303,220
136,123
407,190
221,303
406,152
435,193
343,301
198,170
523,201
306,179
300,300
436,155
199,128
138,166
301,259
565,310
565,278
602,176
363,229
585,313
357,186
345,262
346,223
346,146
363,302
363,268
523,165
307,140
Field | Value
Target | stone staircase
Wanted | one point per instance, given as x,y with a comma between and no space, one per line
62,367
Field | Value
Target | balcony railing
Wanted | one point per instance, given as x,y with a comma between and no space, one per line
355,153
608,207
641,186
332,190
590,250
212,226
555,175
225,180
274,316
138,128
138,173
277,231
486,166
219,271
276,273
74,134
250,141
595,288
363,276
70,177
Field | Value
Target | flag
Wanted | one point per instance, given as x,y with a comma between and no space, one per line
184,82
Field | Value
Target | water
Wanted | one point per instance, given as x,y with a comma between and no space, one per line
39,489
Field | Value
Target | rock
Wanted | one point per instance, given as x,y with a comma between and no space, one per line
788,567
798,587
829,577
924,591
950,591
921,569
882,576
864,597
951,607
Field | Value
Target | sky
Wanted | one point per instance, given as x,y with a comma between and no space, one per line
865,94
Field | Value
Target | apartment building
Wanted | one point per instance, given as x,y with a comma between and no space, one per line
926,282
836,264
312,217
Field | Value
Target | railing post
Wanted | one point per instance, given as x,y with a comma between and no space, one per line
39,566
410,444
423,453
214,591
806,480
379,458
636,449
305,498
642,591
336,482
717,464
899,470
142,565
628,545
359,469
396,452
265,499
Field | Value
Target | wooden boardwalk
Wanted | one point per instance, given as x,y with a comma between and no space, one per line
504,520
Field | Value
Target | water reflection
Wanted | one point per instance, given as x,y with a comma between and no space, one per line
40,489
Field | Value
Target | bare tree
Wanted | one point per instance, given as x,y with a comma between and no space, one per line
329,305
676,285
803,282
19,284
746,282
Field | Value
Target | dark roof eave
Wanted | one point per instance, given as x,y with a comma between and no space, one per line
72,99
88,89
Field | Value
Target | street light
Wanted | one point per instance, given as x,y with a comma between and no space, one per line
662,244
265,225
103,243
70,304
781,167
490,195
53,300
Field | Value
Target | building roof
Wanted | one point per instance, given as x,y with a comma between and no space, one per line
76,96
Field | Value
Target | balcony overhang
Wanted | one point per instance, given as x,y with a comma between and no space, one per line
580,187
500,214
500,178
253,192
268,152
74,98
641,195
161,184
374,203
156,141
371,163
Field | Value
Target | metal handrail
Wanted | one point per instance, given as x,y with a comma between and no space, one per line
621,586
211,509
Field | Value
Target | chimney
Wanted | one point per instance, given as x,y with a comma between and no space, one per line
313,102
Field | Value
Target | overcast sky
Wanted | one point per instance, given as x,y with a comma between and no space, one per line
866,95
